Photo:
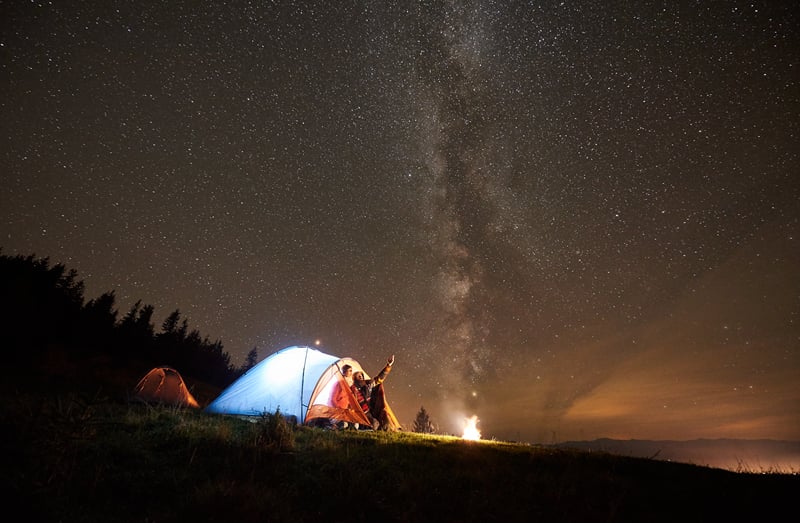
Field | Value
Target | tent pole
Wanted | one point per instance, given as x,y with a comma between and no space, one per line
303,386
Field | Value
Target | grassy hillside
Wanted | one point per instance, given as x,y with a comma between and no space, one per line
83,457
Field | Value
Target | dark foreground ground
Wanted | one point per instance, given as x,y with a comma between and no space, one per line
75,457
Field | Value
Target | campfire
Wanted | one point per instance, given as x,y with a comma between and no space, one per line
471,431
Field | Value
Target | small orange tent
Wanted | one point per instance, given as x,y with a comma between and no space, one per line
164,385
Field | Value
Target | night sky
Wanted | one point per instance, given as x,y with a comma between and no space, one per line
571,219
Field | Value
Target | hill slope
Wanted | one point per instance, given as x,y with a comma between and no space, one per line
80,458
731,454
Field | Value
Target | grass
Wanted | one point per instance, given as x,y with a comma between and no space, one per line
83,457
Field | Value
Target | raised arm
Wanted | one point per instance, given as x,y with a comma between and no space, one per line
385,372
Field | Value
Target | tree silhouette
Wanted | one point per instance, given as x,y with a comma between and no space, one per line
250,361
170,325
40,306
422,423
99,322
43,318
136,332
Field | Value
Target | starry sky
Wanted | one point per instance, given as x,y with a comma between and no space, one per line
571,219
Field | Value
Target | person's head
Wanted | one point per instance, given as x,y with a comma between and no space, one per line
347,370
358,377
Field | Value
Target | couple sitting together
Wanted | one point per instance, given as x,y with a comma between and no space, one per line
369,394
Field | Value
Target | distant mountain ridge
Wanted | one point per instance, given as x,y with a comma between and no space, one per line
740,455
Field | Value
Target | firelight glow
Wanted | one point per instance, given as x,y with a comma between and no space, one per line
471,431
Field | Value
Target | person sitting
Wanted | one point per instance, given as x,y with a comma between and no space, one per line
371,397
340,397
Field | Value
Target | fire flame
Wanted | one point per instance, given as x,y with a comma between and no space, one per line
471,431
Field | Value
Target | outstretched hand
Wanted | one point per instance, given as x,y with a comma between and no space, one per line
390,361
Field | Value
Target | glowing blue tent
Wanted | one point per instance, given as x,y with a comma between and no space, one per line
285,380
299,381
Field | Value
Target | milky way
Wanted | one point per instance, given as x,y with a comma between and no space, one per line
572,220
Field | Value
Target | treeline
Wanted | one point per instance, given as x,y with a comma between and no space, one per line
43,309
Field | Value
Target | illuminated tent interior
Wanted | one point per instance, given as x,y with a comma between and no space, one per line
164,385
298,381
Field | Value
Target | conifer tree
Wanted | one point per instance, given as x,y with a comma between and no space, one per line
423,422
251,360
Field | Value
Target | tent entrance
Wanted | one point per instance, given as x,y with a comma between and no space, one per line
332,398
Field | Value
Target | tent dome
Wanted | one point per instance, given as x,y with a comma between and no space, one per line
284,380
164,385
